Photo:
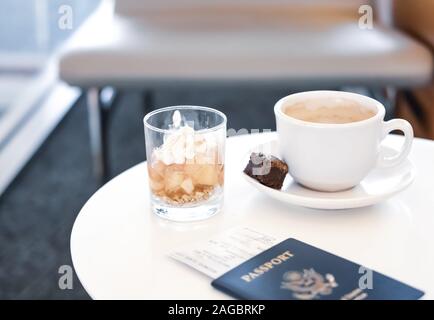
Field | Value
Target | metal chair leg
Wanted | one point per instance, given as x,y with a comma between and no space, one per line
147,101
97,116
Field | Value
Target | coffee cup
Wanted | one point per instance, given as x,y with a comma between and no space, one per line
331,140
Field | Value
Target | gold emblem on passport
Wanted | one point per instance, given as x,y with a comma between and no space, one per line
308,284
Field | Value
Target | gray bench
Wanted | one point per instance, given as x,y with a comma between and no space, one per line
299,43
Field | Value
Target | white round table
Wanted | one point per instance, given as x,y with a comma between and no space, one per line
120,248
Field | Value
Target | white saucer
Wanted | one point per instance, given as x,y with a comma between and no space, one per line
380,184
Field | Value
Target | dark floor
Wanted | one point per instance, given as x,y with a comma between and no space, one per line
38,210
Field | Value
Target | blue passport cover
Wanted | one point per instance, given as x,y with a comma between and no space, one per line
293,270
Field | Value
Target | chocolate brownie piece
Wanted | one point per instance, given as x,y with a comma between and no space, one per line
268,170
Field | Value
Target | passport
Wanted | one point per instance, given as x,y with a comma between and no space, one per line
294,270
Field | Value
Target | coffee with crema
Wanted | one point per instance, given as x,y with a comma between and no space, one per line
334,111
332,152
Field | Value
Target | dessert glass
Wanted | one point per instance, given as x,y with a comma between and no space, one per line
185,148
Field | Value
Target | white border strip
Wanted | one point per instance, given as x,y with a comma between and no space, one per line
18,151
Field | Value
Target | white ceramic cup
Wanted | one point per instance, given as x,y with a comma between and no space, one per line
334,157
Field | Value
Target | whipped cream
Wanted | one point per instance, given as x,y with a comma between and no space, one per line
182,144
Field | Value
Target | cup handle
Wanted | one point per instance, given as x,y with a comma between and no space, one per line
406,128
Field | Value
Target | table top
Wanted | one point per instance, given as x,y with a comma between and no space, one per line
120,248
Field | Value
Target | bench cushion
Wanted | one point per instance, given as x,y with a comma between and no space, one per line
134,52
